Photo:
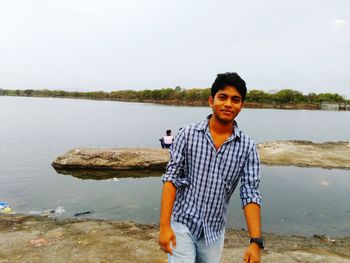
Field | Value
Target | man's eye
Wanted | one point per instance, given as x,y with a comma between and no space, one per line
221,97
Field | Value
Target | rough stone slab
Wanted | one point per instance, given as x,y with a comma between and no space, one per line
297,153
306,154
113,159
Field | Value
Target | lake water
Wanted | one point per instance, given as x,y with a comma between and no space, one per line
34,131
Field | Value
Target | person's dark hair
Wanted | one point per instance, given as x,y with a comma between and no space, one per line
229,79
168,132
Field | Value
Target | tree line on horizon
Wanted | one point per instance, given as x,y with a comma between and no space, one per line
284,96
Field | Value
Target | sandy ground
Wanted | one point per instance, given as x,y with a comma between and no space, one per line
41,239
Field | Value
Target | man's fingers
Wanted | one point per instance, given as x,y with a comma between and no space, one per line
173,240
168,249
167,241
246,258
254,260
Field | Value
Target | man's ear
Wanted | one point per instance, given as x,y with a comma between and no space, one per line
210,101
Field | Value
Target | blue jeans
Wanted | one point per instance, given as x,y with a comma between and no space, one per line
190,250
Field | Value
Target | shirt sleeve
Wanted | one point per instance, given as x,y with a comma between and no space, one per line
250,179
175,169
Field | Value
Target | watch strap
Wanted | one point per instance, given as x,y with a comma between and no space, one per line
257,240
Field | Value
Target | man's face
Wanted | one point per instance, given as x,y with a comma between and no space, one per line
226,104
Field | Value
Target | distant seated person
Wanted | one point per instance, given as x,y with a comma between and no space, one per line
167,140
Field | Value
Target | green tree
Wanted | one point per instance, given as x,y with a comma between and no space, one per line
28,92
288,96
3,92
258,96
330,97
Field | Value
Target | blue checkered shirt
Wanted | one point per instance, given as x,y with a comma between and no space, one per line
205,178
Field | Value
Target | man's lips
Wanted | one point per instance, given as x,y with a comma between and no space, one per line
227,111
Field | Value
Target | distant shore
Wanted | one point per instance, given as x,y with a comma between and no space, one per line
284,99
197,103
41,239
253,105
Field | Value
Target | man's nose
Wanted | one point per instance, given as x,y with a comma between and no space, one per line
228,103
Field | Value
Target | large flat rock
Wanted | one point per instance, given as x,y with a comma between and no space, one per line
306,154
113,159
297,153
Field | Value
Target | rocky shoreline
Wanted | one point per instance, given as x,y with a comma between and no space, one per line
43,239
297,153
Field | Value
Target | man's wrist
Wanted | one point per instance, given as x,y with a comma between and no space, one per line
164,224
254,246
258,241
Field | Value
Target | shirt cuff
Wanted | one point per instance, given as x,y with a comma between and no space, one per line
247,201
178,182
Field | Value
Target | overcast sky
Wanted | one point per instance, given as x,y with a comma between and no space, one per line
138,44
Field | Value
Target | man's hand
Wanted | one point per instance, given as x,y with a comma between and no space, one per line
252,254
166,235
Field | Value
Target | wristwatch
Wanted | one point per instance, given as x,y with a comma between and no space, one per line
257,240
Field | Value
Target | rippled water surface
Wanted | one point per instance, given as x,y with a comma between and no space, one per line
33,131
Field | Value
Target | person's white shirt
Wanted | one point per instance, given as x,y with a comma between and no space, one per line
168,139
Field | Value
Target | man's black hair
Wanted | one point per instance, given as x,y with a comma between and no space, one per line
229,79
168,132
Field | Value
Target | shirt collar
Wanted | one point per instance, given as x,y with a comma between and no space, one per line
203,125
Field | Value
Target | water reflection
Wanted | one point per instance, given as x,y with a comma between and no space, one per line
105,175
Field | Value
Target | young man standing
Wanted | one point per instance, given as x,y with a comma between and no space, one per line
207,160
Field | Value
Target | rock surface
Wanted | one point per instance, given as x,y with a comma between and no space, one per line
297,153
306,153
113,159
39,239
